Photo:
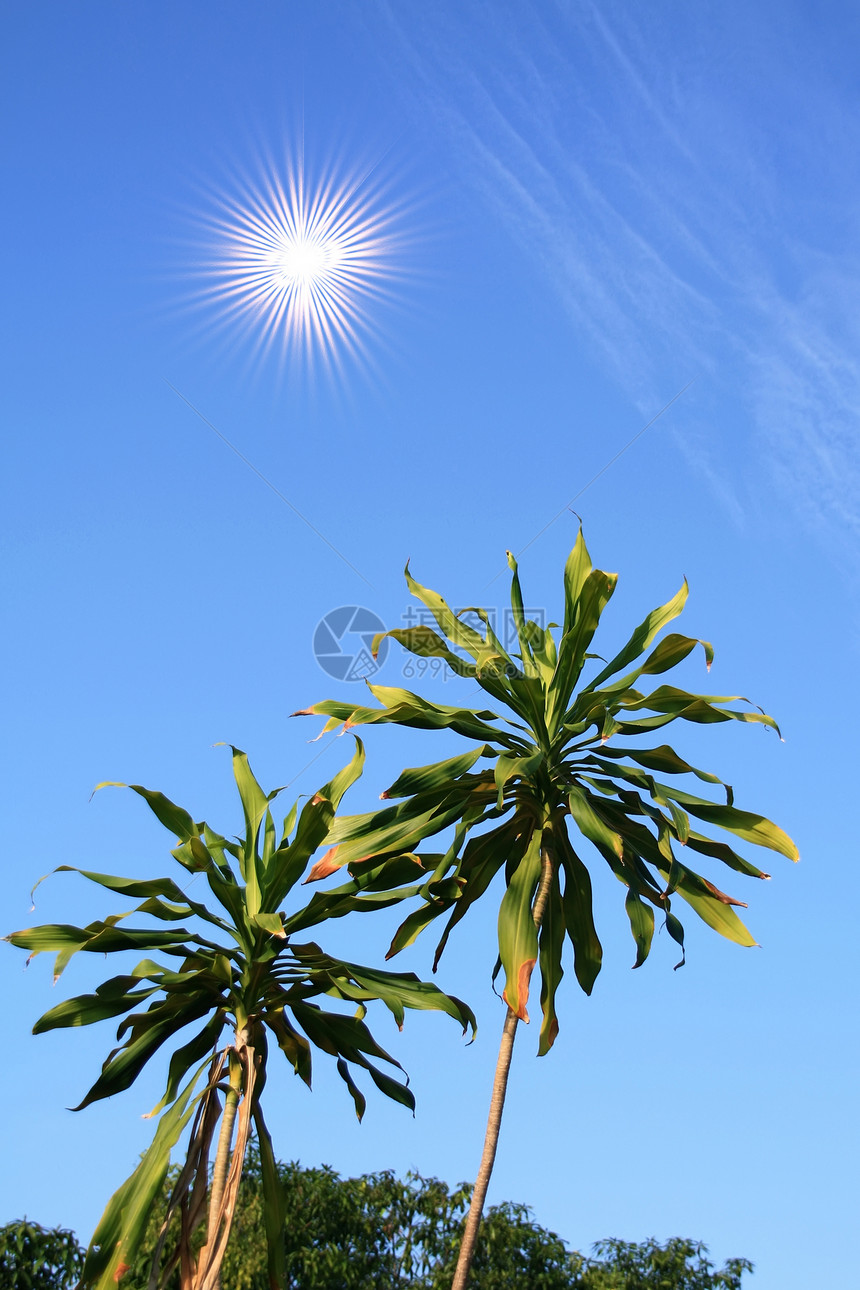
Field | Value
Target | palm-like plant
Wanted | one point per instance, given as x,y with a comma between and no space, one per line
240,971
560,758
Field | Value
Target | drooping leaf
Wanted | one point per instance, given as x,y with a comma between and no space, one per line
577,903
85,1009
551,944
173,817
120,1071
641,924
518,939
121,1228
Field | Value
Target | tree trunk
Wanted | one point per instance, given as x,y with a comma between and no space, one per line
497,1105
222,1155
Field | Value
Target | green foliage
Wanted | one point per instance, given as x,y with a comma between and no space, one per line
379,1232
236,967
561,764
677,1265
38,1258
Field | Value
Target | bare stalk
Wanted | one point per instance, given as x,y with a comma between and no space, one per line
497,1105
222,1162
222,1156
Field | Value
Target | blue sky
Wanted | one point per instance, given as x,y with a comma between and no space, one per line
594,206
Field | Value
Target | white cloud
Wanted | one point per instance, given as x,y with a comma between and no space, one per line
688,226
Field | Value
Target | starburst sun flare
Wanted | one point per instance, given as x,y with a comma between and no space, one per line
304,264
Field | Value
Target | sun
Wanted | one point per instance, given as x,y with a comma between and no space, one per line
303,265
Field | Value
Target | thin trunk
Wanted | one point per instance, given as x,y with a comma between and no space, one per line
222,1155
497,1106
189,1192
225,1190
222,1158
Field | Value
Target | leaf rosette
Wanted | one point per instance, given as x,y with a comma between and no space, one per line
560,770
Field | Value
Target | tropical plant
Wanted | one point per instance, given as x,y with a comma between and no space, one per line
38,1258
240,969
560,757
381,1232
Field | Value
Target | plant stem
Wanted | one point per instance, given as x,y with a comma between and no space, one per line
497,1104
222,1156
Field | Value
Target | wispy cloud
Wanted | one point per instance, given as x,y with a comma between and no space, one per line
669,193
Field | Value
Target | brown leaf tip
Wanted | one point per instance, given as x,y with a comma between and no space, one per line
523,979
328,864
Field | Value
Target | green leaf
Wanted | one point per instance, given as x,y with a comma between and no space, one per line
173,817
676,931
413,925
344,900
85,1009
423,779
590,823
643,636
663,759
399,990
673,649
402,707
185,1057
641,924
577,902
457,631
120,1072
293,1045
136,889
121,1228
529,667
355,1092
509,766
551,942
394,829
576,572
349,1038
720,851
594,596
483,857
255,804
518,940
274,1202
271,923
290,860
745,824
425,643
712,905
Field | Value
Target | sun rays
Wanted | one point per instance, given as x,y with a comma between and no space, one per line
301,265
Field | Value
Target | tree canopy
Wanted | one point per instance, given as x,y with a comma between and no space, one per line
38,1258
381,1232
